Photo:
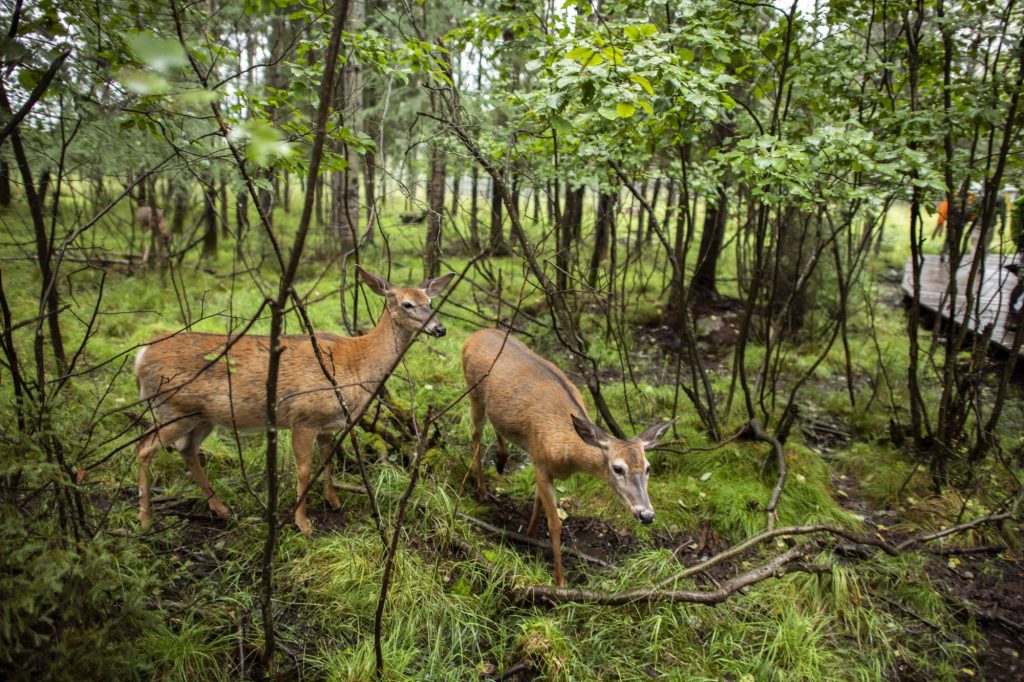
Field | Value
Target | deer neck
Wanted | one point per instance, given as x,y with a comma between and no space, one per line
590,460
382,347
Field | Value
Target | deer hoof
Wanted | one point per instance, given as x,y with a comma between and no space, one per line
145,518
219,508
304,527
334,502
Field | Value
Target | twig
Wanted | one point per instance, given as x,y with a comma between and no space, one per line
389,562
791,561
755,432
983,549
520,667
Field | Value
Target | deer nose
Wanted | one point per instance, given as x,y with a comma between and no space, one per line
645,516
438,330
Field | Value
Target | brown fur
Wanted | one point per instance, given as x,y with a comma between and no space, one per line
193,384
531,402
157,229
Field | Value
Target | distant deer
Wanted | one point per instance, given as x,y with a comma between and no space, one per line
193,384
151,220
530,402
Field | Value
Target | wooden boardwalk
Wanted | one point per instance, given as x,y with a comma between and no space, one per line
993,282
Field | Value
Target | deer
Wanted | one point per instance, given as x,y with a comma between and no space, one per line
193,382
532,403
151,219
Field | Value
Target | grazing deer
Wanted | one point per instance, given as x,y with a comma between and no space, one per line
194,382
151,219
530,402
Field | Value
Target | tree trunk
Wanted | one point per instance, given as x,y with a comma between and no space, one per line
497,236
705,282
179,204
794,247
604,226
474,217
435,213
369,180
319,200
568,226
209,219
5,183
642,215
225,209
241,219
352,111
286,194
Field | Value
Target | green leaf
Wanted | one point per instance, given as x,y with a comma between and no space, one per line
143,82
160,54
686,54
625,109
647,30
266,144
609,113
197,97
613,54
562,126
642,82
578,53
29,78
646,106
640,31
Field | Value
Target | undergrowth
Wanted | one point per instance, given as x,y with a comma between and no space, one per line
180,601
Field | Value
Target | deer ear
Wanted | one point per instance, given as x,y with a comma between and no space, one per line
432,287
652,434
589,432
377,284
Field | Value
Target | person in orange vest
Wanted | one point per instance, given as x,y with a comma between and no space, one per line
943,216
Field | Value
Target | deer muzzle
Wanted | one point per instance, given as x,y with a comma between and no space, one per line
644,515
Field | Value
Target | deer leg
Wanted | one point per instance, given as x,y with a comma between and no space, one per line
302,446
190,452
531,528
325,443
154,442
502,456
546,493
478,417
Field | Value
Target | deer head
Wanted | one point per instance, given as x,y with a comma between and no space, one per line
625,463
409,307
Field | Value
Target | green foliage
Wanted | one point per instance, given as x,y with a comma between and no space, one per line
72,610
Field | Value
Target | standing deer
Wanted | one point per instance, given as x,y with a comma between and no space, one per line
194,382
151,220
531,402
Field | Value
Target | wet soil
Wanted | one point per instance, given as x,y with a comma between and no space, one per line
987,587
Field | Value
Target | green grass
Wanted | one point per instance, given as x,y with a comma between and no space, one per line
451,618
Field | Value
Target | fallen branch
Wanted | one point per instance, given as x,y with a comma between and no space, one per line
791,561
983,549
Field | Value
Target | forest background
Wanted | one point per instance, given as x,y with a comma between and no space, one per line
701,210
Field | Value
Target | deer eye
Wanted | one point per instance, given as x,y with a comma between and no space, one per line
408,306
618,469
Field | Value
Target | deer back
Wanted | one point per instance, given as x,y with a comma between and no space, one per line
223,379
529,400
